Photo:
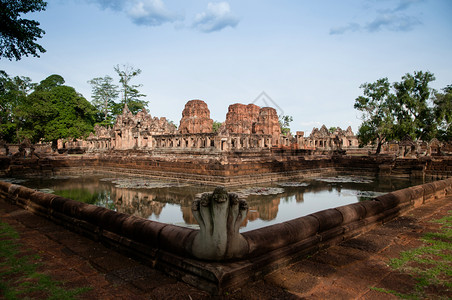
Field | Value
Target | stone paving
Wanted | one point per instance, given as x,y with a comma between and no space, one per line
346,271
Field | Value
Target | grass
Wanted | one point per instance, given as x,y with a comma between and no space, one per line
18,276
430,264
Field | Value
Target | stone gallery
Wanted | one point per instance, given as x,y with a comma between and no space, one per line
246,127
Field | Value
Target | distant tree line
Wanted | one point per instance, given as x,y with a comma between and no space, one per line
409,108
105,94
50,110
42,112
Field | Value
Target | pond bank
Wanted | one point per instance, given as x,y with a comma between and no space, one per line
356,268
229,168
168,248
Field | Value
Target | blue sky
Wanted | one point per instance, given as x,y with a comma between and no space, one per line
310,57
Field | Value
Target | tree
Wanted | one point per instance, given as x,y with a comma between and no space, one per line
50,83
413,108
104,94
55,111
376,106
18,36
216,125
443,113
130,94
13,92
284,123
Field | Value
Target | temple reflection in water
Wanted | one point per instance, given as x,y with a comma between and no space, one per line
170,202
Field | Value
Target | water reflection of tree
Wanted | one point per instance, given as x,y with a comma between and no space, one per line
101,198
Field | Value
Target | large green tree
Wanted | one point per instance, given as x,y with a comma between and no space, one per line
13,93
55,111
17,35
414,108
376,106
406,108
104,94
130,93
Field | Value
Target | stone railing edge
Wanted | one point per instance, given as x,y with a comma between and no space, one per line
341,222
169,247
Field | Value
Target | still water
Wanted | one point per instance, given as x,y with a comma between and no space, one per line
170,201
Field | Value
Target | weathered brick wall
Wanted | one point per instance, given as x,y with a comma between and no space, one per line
229,168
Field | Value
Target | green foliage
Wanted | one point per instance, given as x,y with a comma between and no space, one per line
18,275
406,108
18,36
284,123
82,195
13,92
443,113
216,126
172,123
130,93
375,105
332,129
55,111
414,115
50,82
104,94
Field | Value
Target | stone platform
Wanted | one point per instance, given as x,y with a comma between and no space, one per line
349,270
227,168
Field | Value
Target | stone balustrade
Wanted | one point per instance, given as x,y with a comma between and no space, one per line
179,250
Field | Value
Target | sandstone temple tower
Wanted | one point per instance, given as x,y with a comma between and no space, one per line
196,118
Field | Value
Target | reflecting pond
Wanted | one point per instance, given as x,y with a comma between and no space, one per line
170,201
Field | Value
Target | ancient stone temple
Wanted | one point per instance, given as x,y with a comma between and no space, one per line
323,139
129,132
195,118
247,127
136,131
240,118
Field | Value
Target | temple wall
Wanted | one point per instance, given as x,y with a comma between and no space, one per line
228,168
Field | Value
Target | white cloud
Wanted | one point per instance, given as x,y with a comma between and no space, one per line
116,5
141,12
217,17
393,22
405,4
391,19
150,13
344,29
